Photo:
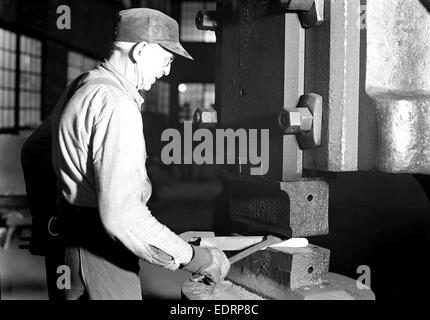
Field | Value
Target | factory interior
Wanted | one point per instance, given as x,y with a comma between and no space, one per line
363,176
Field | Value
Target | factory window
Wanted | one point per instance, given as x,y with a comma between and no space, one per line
157,99
30,103
189,31
78,64
193,96
29,86
7,79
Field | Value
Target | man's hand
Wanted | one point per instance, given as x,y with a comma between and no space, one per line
210,262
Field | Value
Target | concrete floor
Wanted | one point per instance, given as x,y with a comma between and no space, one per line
22,275
382,221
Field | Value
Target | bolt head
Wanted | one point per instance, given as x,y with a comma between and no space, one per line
306,119
205,117
289,121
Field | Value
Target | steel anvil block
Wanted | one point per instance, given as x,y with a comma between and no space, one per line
276,272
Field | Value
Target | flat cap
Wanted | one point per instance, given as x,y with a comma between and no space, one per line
149,25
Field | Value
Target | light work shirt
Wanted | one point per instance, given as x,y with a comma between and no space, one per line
99,155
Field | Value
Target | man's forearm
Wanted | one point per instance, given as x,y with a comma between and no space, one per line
150,240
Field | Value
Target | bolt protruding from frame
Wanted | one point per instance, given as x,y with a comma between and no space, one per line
206,20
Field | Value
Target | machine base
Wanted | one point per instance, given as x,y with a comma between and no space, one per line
336,287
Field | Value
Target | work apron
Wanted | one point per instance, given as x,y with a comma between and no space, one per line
101,268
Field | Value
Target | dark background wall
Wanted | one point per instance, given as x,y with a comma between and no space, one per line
91,33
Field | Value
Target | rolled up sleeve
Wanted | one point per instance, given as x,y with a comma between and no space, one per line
123,187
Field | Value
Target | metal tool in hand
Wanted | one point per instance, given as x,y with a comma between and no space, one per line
268,241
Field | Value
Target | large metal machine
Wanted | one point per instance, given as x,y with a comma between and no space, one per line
342,87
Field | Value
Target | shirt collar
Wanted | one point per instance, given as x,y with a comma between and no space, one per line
129,88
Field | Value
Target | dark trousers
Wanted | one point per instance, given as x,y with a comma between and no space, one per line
54,257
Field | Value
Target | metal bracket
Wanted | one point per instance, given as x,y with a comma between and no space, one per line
305,121
311,12
292,209
206,20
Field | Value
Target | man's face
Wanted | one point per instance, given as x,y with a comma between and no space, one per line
152,62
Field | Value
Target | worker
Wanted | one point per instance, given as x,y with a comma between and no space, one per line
98,156
41,187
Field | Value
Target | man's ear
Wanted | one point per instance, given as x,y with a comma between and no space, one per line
138,50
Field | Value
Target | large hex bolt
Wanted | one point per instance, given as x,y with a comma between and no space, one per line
299,120
205,117
311,12
206,20
289,121
309,139
313,17
297,5
305,121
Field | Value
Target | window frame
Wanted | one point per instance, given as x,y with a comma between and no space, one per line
157,100
16,128
202,98
184,28
82,67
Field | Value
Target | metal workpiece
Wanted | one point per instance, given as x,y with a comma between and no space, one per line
292,209
398,68
206,20
311,12
279,272
273,273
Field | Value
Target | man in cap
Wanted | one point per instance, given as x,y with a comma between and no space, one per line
98,155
